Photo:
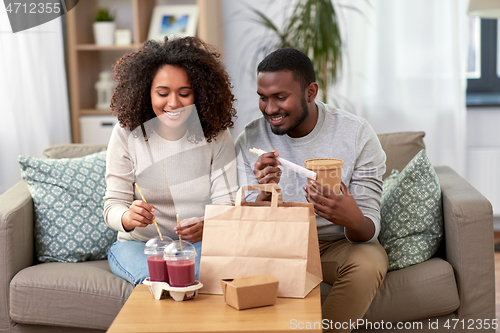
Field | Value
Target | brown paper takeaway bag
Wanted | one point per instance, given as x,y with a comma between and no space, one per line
250,238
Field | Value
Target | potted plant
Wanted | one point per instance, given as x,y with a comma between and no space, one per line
104,26
312,28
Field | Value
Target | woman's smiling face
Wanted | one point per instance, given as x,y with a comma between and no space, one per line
172,97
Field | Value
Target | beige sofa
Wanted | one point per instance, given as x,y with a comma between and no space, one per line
459,283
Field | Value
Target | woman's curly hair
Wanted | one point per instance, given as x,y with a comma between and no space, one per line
134,73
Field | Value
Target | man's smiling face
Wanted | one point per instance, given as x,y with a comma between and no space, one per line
283,103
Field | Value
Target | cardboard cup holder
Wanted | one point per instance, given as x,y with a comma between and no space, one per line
179,294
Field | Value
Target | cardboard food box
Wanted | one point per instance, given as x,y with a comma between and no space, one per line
250,291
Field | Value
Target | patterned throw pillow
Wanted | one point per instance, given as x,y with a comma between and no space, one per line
411,216
68,198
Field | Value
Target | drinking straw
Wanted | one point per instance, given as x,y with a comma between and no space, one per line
180,239
156,224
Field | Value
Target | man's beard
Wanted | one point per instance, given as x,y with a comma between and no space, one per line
298,121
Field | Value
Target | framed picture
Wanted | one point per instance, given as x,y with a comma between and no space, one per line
174,20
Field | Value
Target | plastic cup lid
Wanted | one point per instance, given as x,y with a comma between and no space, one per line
179,250
156,246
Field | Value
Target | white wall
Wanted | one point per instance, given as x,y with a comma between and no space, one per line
483,152
241,41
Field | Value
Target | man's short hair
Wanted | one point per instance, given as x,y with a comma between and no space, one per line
289,59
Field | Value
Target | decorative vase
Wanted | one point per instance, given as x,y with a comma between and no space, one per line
104,87
104,32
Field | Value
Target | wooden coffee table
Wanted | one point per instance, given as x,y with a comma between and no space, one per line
209,313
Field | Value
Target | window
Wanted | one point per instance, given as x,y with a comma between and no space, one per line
483,65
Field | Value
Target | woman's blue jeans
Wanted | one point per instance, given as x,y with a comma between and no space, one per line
128,261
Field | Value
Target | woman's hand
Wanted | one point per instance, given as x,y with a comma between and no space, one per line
140,214
191,229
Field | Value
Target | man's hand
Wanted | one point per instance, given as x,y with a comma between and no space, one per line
266,171
140,214
191,229
340,209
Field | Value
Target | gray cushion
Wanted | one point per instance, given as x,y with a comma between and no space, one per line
400,148
28,328
411,218
82,294
424,290
73,150
68,197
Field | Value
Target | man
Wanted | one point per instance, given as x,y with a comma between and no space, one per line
296,127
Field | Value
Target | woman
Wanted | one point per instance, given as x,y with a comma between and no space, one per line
174,105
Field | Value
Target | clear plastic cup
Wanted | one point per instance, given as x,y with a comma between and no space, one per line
157,266
180,256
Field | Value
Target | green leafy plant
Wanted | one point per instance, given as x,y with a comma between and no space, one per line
312,28
103,14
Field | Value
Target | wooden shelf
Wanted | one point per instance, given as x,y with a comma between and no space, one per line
95,112
85,59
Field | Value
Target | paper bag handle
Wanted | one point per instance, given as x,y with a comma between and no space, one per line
276,195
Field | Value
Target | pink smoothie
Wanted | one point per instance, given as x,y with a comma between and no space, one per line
157,268
181,272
